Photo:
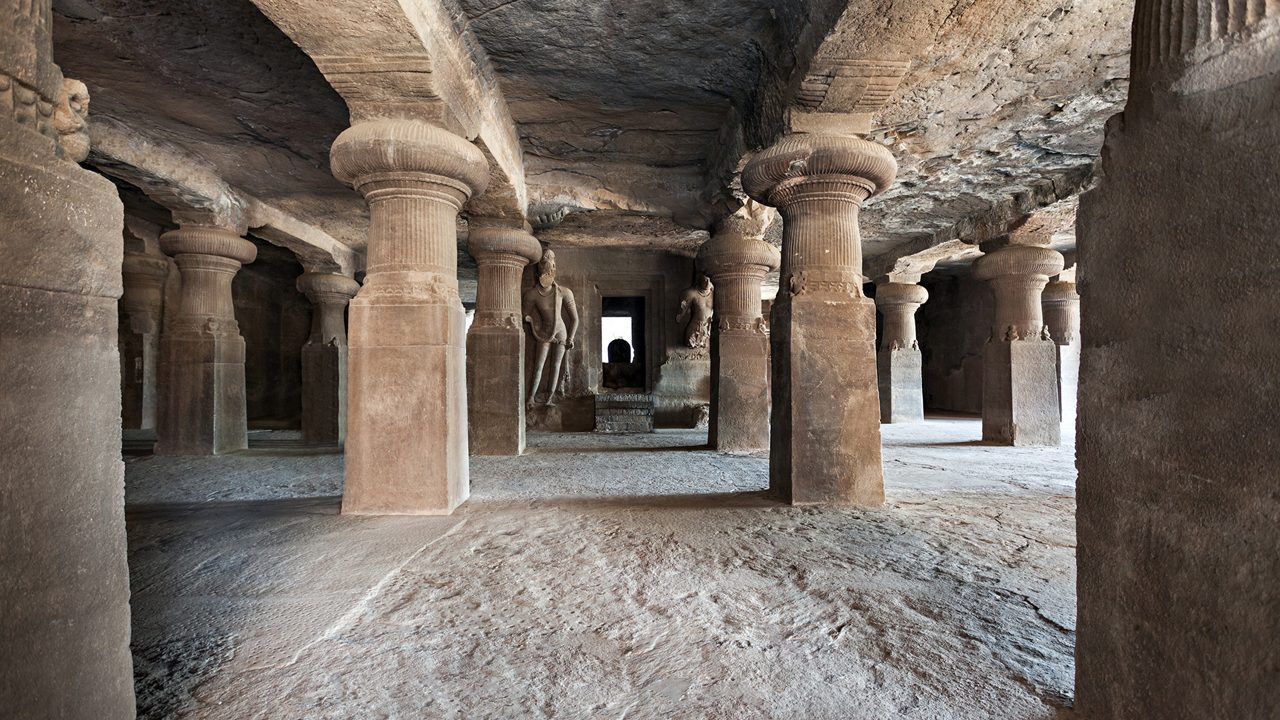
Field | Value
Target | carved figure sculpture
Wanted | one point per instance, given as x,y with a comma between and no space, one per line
553,319
70,119
697,303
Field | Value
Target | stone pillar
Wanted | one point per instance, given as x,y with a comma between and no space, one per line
203,409
324,358
1020,362
406,450
1062,317
737,261
825,434
898,363
495,343
139,337
64,597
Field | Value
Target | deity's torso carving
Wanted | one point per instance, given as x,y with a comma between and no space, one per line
697,303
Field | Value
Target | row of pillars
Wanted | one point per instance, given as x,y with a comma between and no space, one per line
413,368
188,381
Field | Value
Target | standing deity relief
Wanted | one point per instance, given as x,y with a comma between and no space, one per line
697,304
552,315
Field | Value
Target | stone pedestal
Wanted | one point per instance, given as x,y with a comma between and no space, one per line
139,338
825,435
495,343
898,364
64,598
203,409
737,261
324,358
406,450
1062,317
1020,362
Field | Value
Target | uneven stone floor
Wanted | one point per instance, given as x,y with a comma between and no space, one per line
609,577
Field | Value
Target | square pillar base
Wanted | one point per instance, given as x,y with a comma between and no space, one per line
901,386
1020,393
406,449
203,405
324,391
825,441
495,390
740,409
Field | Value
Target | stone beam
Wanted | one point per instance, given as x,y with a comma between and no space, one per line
316,249
413,59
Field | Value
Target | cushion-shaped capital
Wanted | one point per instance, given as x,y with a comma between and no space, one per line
801,156
900,294
726,253
484,241
327,287
394,145
1028,260
1060,293
218,242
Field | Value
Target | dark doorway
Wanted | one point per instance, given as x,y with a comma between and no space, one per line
622,343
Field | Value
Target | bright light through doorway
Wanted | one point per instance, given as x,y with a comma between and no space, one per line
612,328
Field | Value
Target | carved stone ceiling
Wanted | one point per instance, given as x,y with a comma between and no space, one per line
640,108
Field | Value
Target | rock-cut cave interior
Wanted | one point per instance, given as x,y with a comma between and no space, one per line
640,359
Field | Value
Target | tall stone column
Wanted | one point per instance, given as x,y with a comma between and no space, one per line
1062,316
139,337
1020,362
324,357
64,596
737,261
495,343
406,450
825,434
901,372
203,408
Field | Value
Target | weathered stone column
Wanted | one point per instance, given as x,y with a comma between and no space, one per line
203,409
64,596
1020,363
406,450
825,435
495,344
1062,316
139,337
324,357
737,260
901,373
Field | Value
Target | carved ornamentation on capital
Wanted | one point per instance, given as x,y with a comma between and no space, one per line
502,320
71,120
436,291
757,325
808,283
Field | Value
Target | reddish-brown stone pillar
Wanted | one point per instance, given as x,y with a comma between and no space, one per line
1062,316
1020,363
324,357
406,450
202,411
495,343
64,596
139,337
737,261
825,434
898,362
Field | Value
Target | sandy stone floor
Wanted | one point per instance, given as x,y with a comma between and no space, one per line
609,577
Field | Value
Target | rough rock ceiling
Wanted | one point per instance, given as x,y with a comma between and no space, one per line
221,81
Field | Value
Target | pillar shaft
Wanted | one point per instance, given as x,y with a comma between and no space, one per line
139,337
737,263
203,408
406,448
324,358
495,344
825,434
64,626
1020,402
898,363
1062,317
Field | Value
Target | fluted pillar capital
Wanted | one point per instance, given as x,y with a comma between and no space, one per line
487,242
892,294
323,288
898,303
1061,311
801,165
211,241
1019,260
1018,274
387,157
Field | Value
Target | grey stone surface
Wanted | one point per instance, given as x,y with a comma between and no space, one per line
955,600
